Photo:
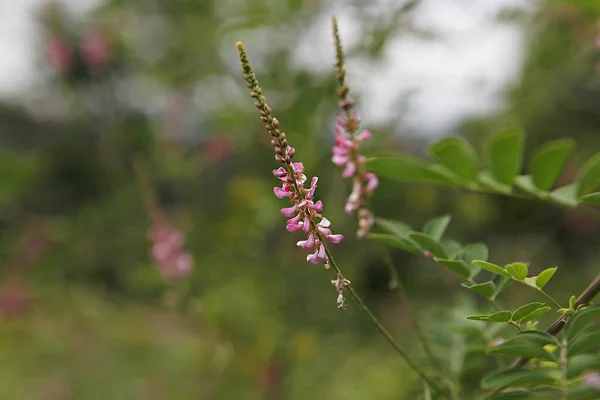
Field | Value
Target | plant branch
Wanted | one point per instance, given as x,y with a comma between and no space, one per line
585,297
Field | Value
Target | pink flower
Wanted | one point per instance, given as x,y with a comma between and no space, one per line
58,54
95,49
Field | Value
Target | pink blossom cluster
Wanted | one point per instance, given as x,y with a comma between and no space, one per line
167,251
346,154
304,211
94,46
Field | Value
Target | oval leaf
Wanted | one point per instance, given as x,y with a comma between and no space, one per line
457,266
566,195
457,155
582,363
515,377
505,152
548,162
517,270
404,168
586,342
535,314
428,243
475,251
522,349
393,241
436,227
493,268
580,321
544,277
398,228
486,289
526,309
500,316
589,176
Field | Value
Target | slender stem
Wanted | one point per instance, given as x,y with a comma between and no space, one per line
387,336
426,391
585,297
564,387
556,303
396,283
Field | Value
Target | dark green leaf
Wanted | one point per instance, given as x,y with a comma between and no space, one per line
493,268
485,289
580,321
544,277
475,251
584,393
584,362
566,195
536,337
393,241
428,243
522,349
512,395
535,314
500,316
436,227
457,266
526,309
457,155
549,160
398,228
505,153
404,168
589,176
517,270
592,198
586,342
516,377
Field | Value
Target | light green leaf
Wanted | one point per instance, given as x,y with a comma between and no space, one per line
516,377
526,309
512,395
517,270
457,266
393,241
522,349
486,179
502,282
580,321
505,154
457,155
525,182
589,176
485,289
428,243
436,227
573,302
544,277
493,268
404,168
587,342
549,160
566,195
535,314
452,248
592,198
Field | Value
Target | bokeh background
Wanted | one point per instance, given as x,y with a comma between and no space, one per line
90,88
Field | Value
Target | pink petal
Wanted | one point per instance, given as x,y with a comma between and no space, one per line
318,206
364,135
308,243
335,238
289,211
281,193
349,170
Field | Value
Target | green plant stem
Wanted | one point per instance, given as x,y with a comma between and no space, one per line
556,303
396,283
387,336
564,387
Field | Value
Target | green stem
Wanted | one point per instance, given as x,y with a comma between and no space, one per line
556,303
396,283
412,364
564,387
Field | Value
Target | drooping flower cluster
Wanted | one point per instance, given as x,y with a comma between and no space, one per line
346,151
167,250
304,213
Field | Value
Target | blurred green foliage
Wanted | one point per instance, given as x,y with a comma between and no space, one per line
253,321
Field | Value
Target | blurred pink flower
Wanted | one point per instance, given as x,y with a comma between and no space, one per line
167,251
14,299
95,49
58,54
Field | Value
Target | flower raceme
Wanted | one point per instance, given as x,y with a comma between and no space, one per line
346,151
304,213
